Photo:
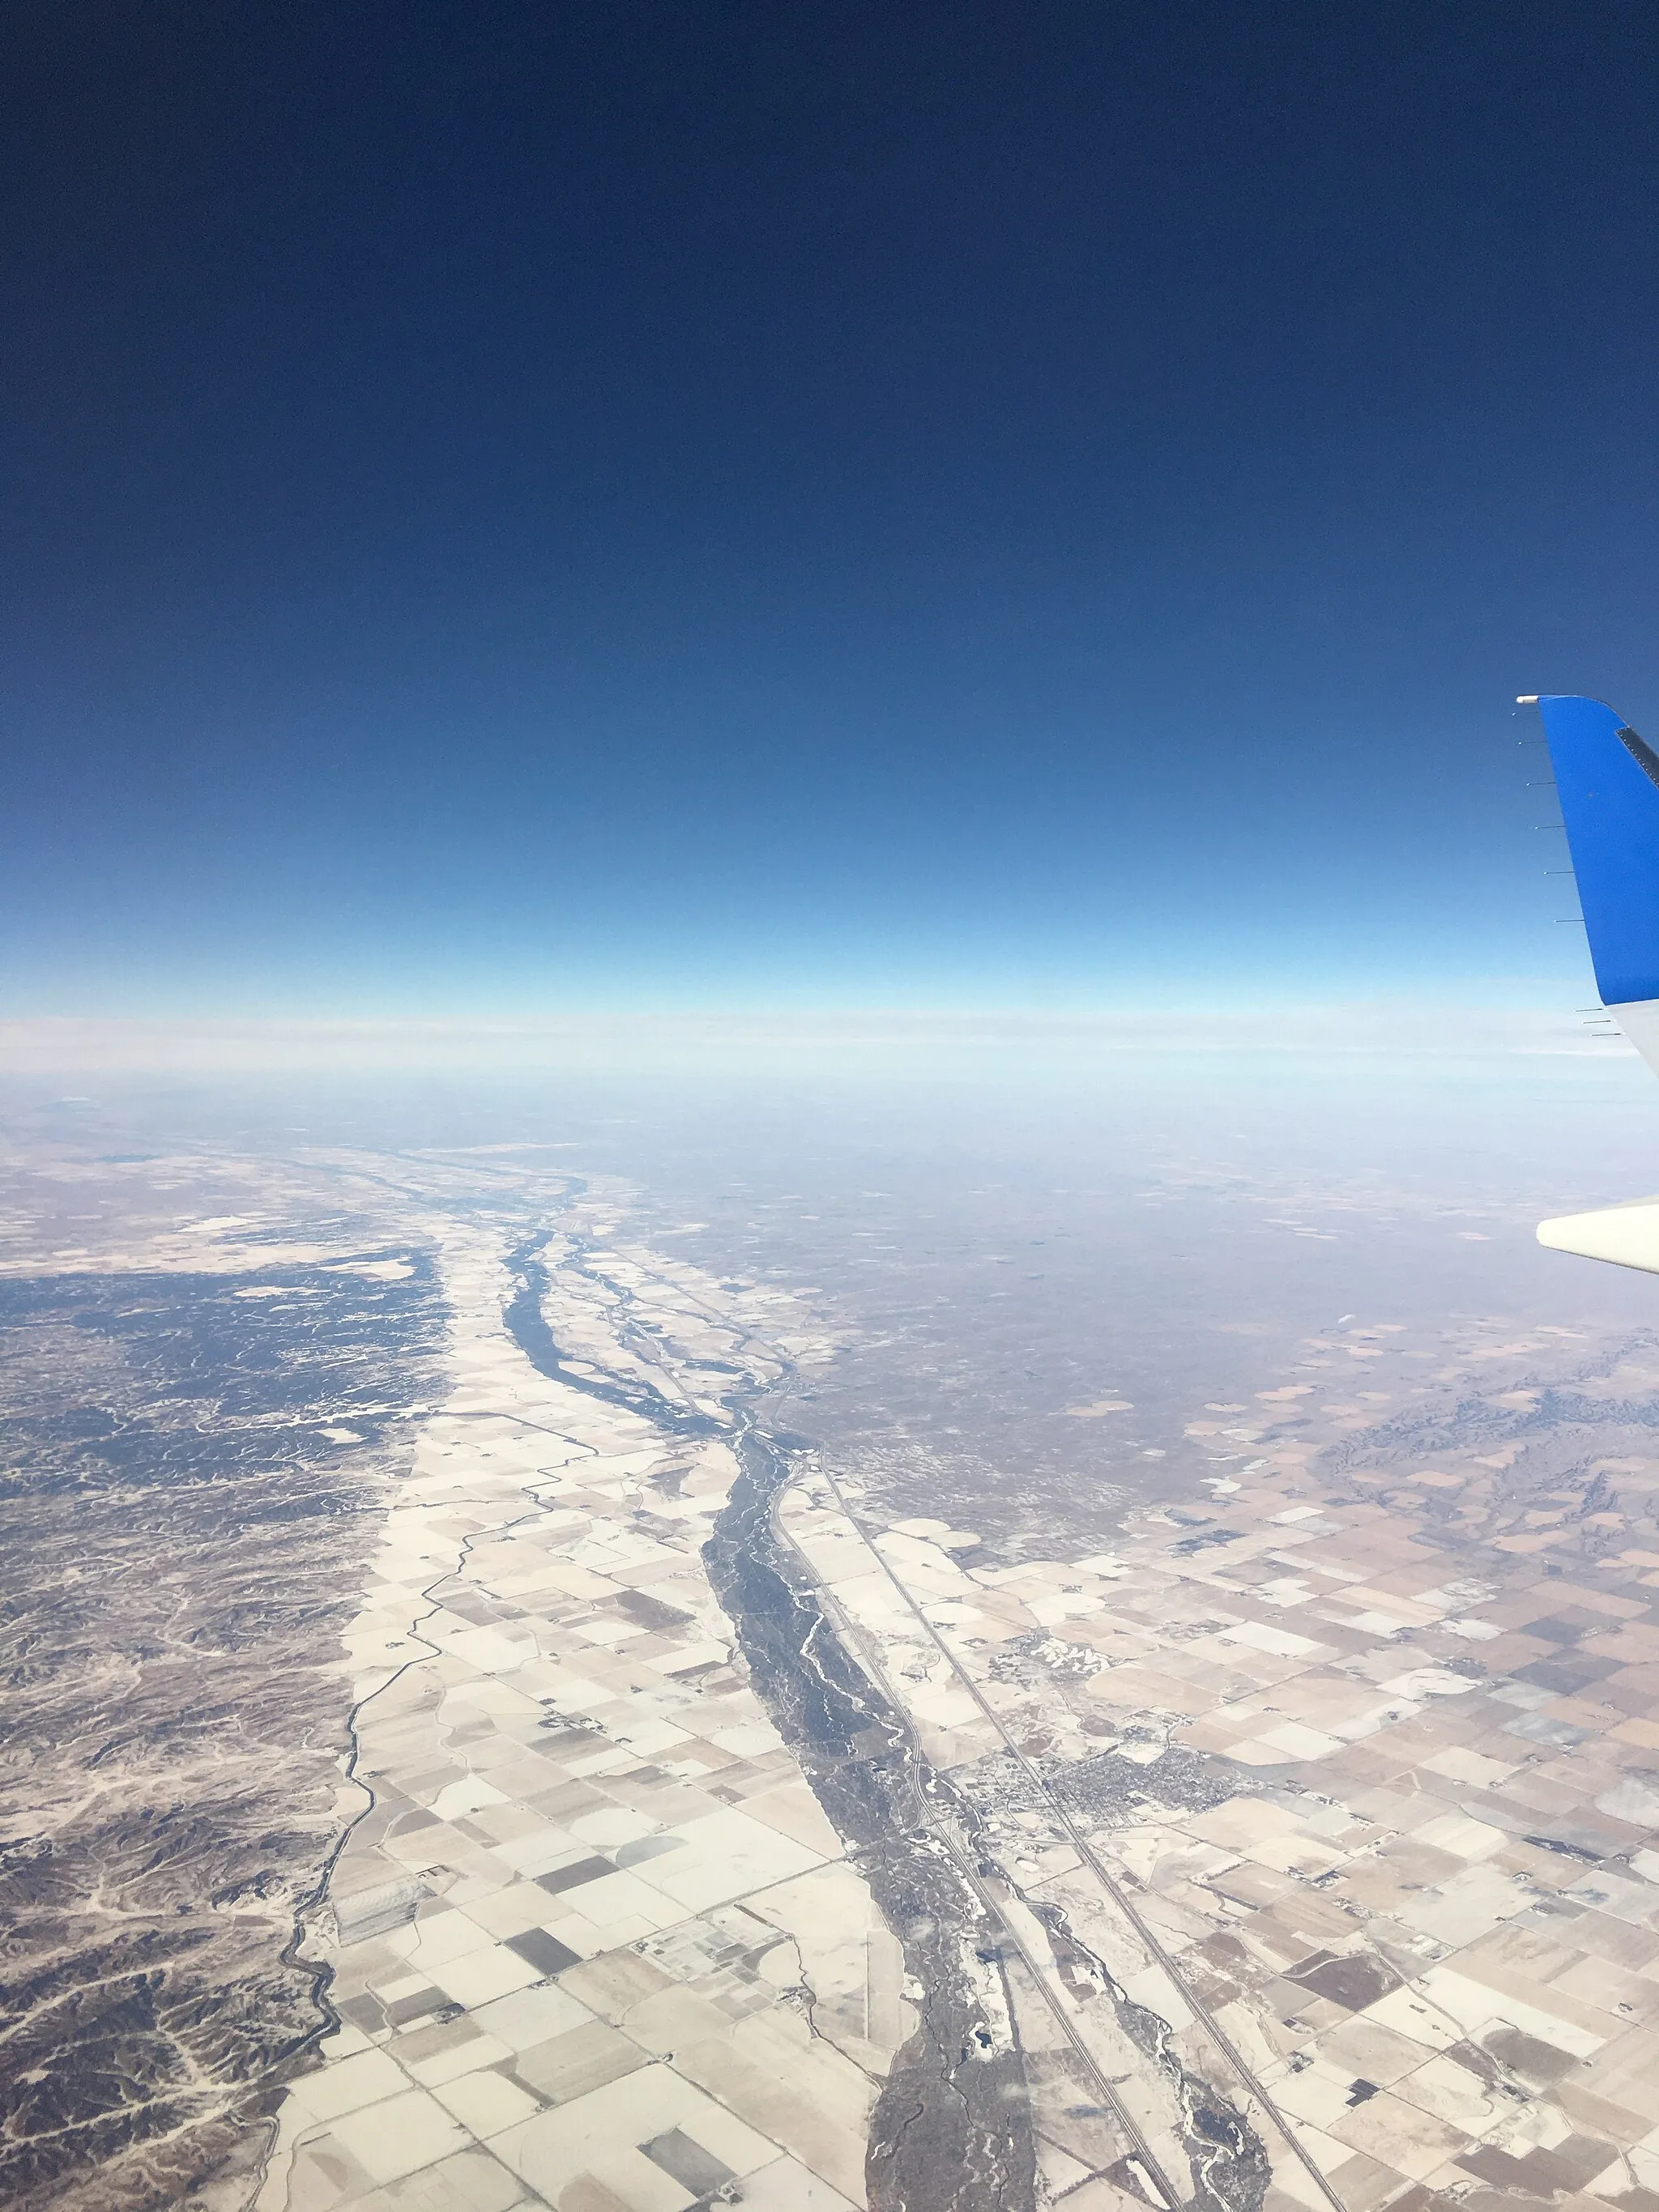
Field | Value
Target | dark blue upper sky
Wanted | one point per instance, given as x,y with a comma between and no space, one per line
514,507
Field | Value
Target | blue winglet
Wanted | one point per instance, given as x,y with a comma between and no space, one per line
1608,780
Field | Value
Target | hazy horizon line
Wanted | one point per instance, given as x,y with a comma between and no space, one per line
1419,1027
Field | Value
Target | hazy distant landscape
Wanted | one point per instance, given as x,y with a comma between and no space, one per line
1093,1318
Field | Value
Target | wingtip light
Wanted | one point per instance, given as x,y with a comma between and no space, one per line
1527,699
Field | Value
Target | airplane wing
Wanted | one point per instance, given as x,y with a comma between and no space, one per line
1608,780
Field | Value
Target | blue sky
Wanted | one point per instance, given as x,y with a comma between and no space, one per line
514,509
